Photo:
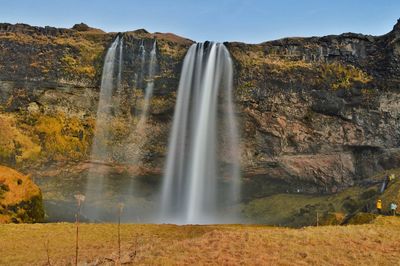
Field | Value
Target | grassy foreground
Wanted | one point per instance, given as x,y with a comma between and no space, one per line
370,244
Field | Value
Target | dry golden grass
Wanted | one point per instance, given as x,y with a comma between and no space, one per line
372,244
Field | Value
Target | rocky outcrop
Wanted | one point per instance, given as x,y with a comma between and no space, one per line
318,114
20,198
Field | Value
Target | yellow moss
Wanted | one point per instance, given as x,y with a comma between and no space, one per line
337,75
285,64
20,187
83,63
119,129
24,38
62,137
20,198
89,46
171,49
255,64
14,144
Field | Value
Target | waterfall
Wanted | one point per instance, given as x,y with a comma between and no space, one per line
105,150
119,75
201,178
100,147
120,58
149,87
140,134
142,55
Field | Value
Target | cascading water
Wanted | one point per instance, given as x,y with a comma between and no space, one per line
142,55
120,57
100,147
149,87
105,149
202,171
139,135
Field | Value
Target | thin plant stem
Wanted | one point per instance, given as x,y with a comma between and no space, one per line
77,235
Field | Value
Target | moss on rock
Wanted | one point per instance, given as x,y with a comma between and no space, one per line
20,198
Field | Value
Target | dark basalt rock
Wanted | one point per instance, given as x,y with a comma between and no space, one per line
81,27
327,103
308,108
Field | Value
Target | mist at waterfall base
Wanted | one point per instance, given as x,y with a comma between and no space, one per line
201,182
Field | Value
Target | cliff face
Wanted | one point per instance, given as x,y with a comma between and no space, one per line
316,114
320,110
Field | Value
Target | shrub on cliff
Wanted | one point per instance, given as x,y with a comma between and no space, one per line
15,145
338,76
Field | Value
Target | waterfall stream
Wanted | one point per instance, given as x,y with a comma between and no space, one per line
199,184
108,111
149,87
100,148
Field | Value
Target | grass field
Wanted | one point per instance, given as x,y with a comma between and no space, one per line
370,244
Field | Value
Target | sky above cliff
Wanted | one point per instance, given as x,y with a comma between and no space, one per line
250,21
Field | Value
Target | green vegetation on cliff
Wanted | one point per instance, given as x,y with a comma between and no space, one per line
339,76
302,210
258,63
355,205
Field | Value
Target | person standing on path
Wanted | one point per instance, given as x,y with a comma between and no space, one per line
379,206
393,208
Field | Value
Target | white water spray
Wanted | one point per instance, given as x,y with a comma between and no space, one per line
194,190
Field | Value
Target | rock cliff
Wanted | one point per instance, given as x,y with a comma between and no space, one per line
317,115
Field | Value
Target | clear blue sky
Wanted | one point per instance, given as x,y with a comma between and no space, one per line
249,21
